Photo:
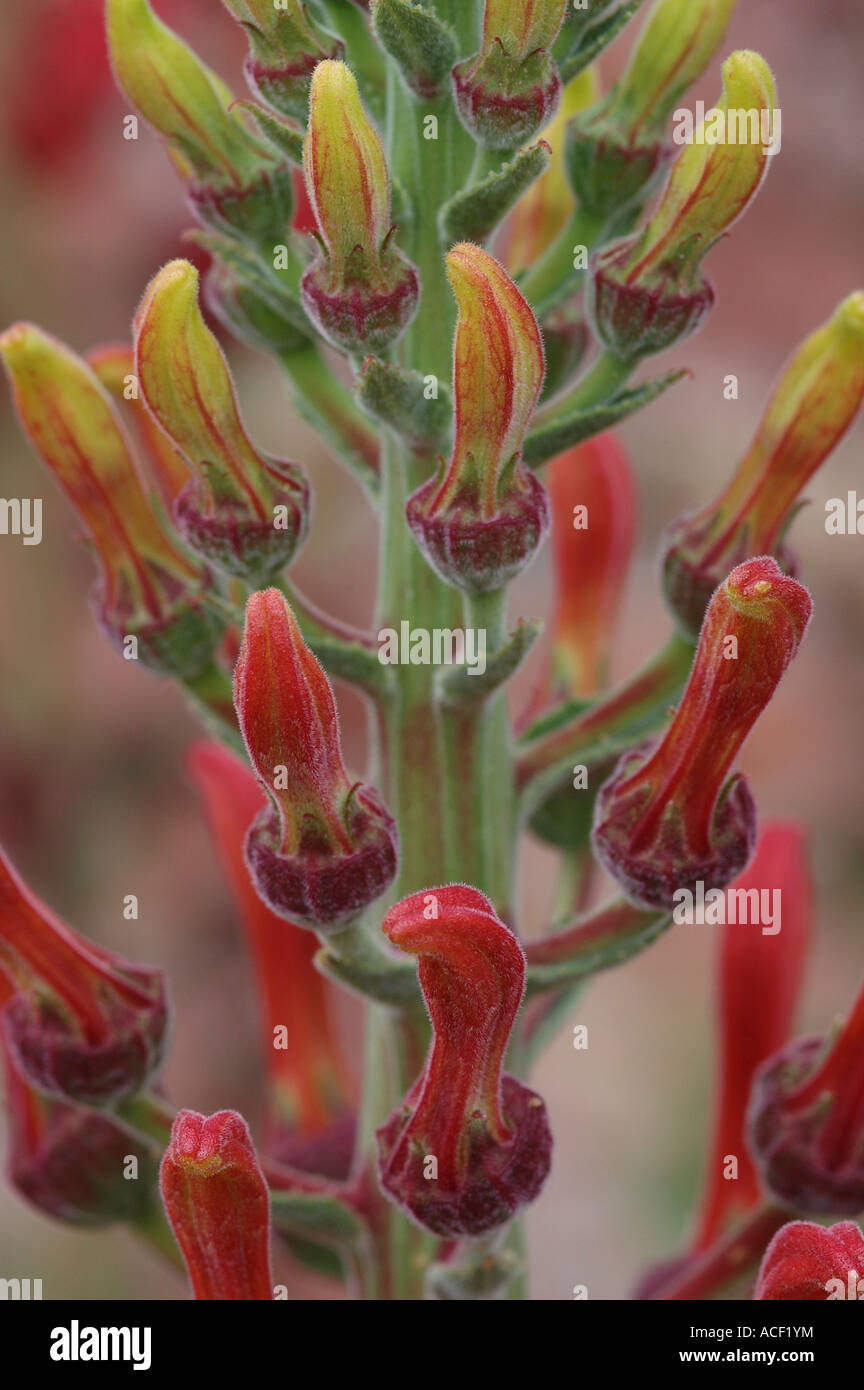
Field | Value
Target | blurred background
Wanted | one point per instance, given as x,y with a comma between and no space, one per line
94,801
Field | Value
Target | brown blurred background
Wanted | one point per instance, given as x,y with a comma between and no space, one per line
94,803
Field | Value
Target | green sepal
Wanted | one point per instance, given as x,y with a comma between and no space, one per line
422,46
564,819
474,213
576,51
397,398
460,687
285,134
553,439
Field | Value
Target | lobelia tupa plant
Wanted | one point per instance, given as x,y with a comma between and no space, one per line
434,327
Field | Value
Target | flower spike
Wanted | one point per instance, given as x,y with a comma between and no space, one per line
668,818
148,588
246,512
487,1133
219,1206
361,292
482,517
324,848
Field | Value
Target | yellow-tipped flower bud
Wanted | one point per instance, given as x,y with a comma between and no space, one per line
648,292
361,292
235,180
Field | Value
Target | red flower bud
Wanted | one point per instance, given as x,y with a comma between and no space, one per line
760,975
487,1133
806,1121
361,292
148,589
810,1264
244,511
511,88
811,408
219,1206
81,1024
70,1162
482,517
325,848
310,1125
668,818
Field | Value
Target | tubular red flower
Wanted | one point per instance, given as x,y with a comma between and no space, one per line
310,1124
593,495
808,1263
760,976
482,517
81,1024
325,848
219,1206
811,408
806,1121
668,818
148,589
511,88
487,1133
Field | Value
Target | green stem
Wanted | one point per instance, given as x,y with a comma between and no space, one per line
480,814
325,403
211,695
554,277
632,711
604,378
594,941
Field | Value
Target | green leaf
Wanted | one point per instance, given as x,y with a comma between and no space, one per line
460,687
475,212
423,47
588,42
398,399
286,135
316,1216
553,439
